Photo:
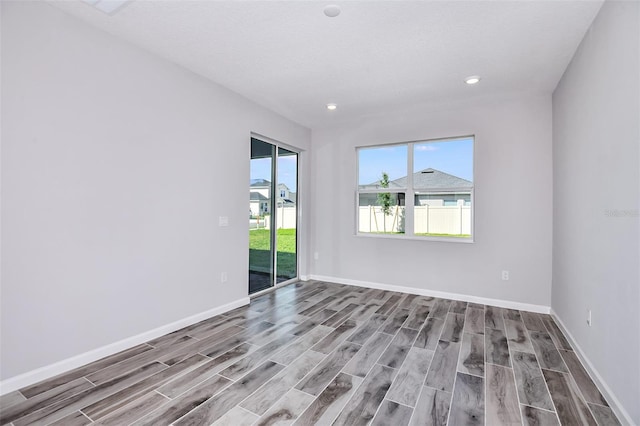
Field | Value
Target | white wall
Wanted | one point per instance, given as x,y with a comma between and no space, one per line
115,165
596,139
512,186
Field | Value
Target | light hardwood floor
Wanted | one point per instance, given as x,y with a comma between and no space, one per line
322,353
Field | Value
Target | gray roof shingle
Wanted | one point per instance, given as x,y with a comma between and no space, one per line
427,179
256,196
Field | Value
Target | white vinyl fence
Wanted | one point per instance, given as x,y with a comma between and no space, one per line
285,218
452,220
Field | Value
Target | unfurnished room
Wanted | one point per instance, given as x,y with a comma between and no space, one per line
219,212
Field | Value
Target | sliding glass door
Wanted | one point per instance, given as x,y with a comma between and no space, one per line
286,215
273,215
261,260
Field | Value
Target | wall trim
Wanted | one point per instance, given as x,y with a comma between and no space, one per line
441,294
614,403
34,376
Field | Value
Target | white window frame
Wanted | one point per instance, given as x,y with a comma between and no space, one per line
410,192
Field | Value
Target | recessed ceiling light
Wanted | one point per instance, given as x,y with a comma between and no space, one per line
474,79
332,10
331,107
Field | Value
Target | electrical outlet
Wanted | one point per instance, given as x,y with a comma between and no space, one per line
505,275
223,221
223,277
589,317
316,255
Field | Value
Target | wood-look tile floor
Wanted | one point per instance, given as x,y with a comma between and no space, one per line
322,353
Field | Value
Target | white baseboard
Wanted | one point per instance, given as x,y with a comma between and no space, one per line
304,277
46,372
441,294
606,391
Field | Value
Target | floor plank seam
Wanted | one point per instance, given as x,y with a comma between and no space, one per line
546,386
384,349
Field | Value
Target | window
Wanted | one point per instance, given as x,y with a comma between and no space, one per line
417,189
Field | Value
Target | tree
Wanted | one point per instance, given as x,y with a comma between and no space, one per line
384,199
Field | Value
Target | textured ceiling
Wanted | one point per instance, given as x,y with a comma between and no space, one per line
377,55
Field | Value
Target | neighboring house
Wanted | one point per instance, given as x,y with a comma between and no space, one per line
261,186
260,196
258,204
432,187
285,196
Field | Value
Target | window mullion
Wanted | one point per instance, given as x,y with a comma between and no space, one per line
409,195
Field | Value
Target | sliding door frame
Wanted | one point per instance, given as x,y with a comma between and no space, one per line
273,206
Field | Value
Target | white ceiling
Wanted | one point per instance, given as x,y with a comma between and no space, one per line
377,55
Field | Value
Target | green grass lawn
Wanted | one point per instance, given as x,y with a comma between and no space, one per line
259,245
445,235
424,234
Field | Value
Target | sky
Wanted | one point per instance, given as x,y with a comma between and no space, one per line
453,157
